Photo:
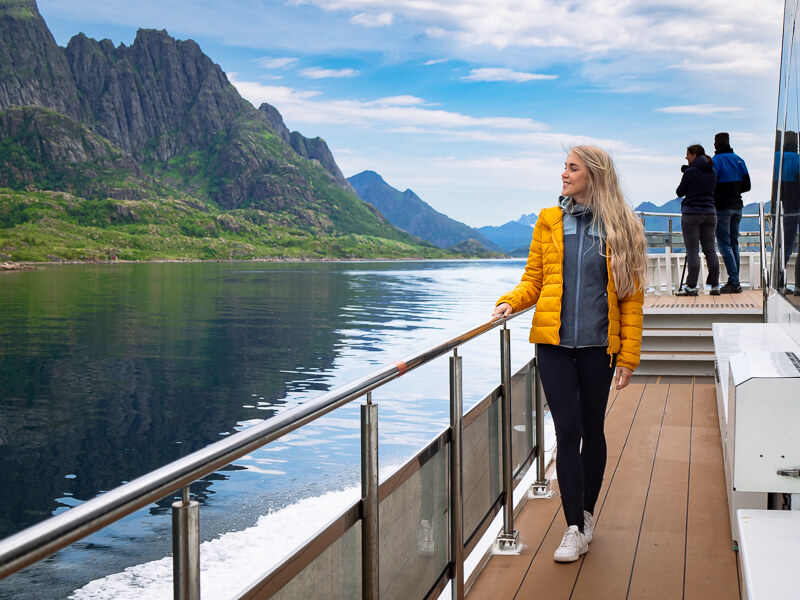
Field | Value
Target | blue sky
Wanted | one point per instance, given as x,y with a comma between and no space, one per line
472,104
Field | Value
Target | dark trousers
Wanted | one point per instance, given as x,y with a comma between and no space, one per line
728,220
576,382
699,230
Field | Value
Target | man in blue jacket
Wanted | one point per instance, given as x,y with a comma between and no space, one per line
732,181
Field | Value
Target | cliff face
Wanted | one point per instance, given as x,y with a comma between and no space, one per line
160,94
33,69
43,149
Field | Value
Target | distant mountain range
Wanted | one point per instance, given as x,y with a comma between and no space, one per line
147,151
674,206
513,237
410,213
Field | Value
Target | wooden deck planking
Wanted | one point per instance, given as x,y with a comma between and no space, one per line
662,523
747,299
659,566
533,522
608,565
711,567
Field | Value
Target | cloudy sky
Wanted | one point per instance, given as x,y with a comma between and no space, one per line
472,103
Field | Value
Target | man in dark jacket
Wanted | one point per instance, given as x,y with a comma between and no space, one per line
732,181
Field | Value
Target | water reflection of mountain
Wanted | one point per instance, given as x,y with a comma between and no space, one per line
109,372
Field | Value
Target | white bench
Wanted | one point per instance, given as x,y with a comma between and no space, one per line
769,554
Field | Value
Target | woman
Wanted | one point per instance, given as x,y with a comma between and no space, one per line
585,273
699,218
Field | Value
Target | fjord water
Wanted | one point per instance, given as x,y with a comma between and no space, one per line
110,371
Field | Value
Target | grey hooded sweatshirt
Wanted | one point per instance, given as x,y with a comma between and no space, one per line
584,304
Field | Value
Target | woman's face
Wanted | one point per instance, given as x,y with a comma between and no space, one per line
575,179
690,157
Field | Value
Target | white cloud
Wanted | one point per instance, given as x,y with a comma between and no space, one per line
405,100
300,106
500,74
435,32
369,20
713,35
258,93
736,57
699,109
269,62
434,61
317,73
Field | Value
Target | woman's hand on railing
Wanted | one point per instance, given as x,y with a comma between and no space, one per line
502,310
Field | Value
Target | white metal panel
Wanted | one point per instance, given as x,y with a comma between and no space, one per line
732,338
765,415
769,547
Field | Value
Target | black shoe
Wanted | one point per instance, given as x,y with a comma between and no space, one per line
687,291
731,288
796,291
715,290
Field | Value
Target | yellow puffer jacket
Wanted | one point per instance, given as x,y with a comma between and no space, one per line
542,284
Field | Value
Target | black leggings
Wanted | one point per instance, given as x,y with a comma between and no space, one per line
576,383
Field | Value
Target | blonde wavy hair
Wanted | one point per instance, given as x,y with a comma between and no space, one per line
624,232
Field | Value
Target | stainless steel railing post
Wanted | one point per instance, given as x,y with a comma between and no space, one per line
668,258
456,488
508,538
370,542
540,486
186,548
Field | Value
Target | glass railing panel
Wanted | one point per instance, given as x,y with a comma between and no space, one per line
336,572
482,472
522,428
414,529
785,206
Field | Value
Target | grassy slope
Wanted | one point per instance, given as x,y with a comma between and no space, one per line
170,211
41,226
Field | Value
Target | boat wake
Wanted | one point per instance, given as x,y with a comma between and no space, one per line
231,562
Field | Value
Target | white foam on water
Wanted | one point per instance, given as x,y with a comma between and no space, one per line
231,562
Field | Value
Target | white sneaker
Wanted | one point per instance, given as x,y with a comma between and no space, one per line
573,544
588,526
425,545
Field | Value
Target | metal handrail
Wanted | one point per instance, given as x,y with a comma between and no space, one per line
645,213
642,214
57,532
743,235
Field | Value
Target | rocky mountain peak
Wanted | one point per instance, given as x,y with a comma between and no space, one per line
33,69
310,148
159,93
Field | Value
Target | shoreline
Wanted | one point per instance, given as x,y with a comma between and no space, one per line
8,266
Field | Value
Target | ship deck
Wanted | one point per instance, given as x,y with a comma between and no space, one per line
662,527
747,301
